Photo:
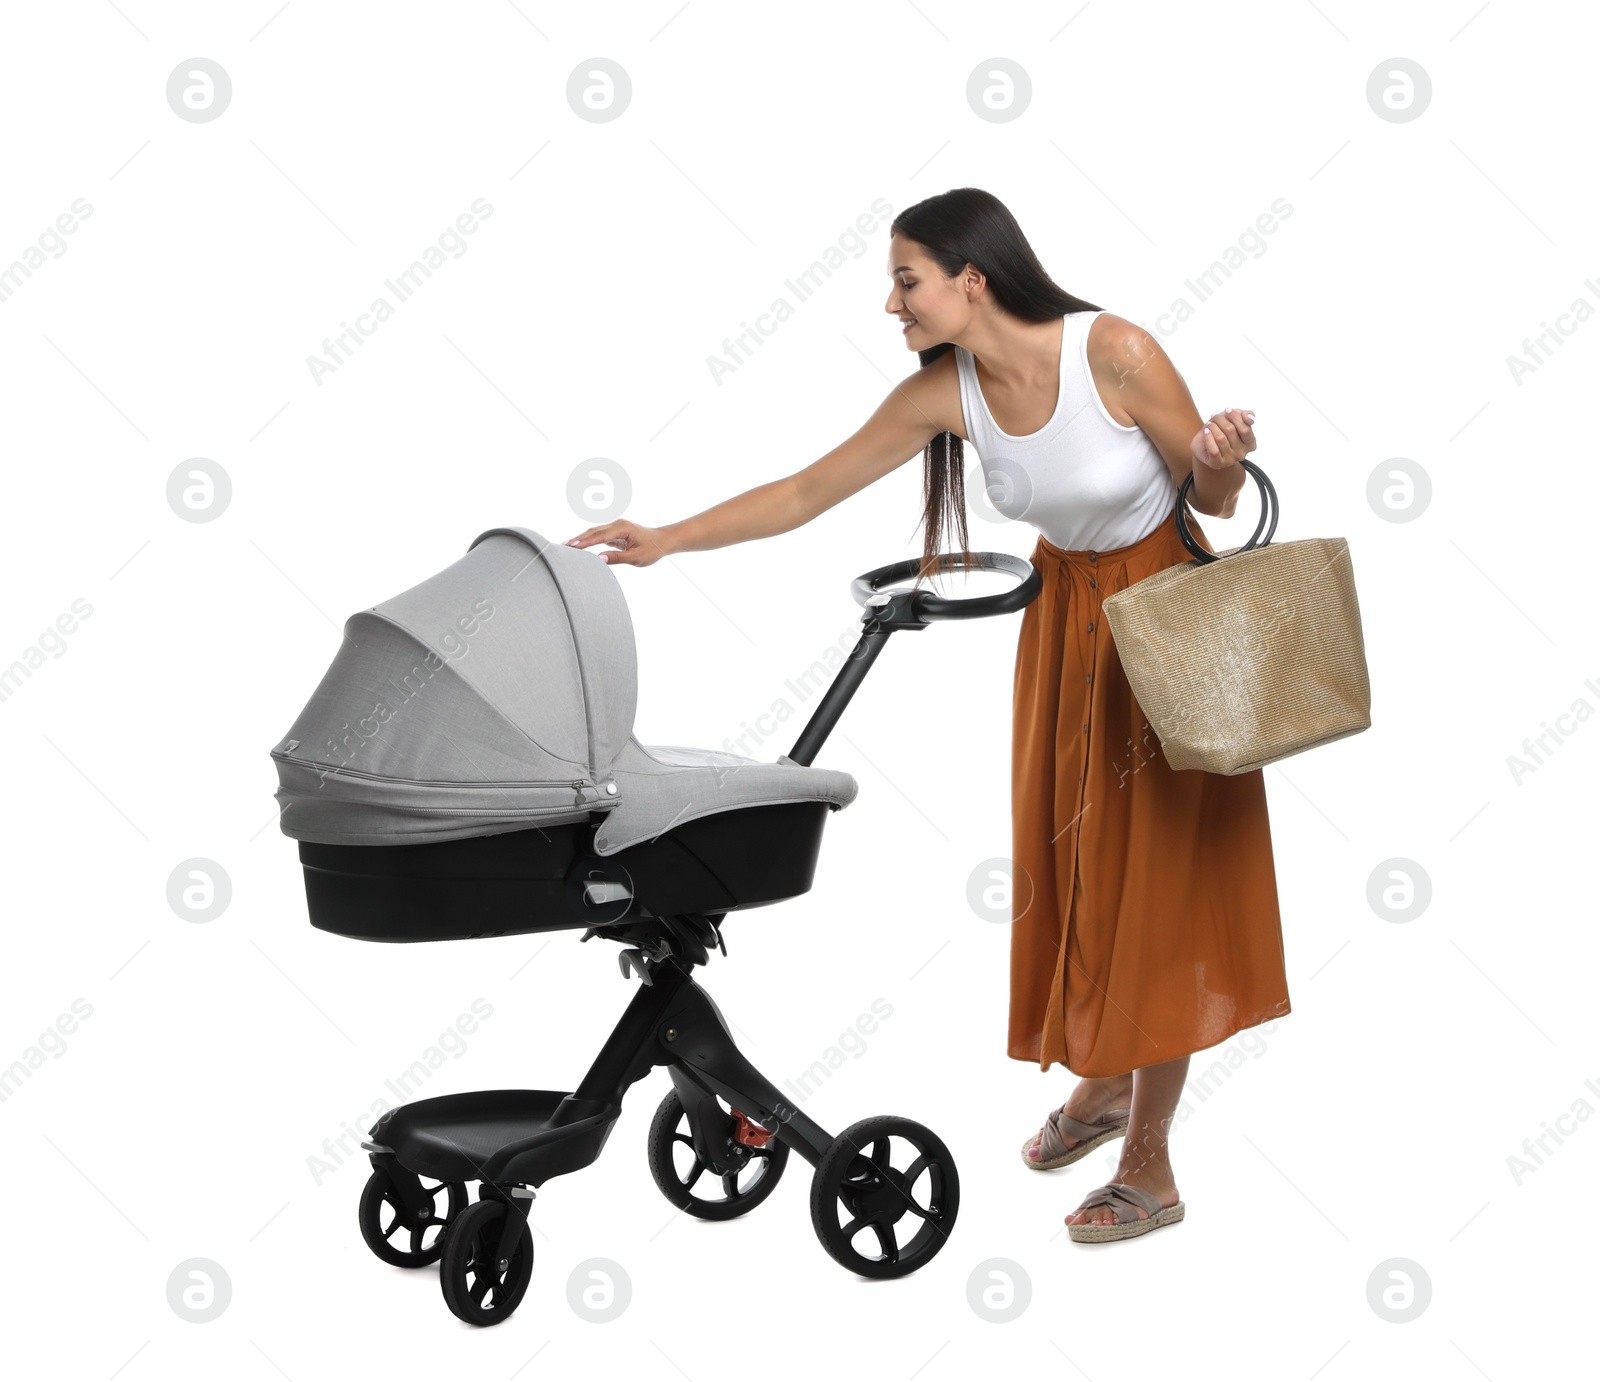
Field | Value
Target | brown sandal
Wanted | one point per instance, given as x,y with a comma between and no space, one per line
1126,1201
1058,1126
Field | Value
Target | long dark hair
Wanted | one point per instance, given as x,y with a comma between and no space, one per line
967,225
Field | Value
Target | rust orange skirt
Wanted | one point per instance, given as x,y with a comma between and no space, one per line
1144,901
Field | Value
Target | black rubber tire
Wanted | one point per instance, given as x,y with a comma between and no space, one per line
467,1277
670,1127
378,1193
857,1172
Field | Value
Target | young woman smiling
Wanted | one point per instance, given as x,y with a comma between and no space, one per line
1145,922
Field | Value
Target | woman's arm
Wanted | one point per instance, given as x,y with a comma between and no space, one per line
1133,366
764,511
899,429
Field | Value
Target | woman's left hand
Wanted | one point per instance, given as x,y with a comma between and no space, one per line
1226,440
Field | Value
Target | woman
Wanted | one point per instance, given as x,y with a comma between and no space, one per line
1145,911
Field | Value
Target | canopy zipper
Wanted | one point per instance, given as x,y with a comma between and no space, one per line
335,770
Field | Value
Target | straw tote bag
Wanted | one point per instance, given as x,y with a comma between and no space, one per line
1243,657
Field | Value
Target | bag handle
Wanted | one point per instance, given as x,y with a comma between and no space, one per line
1269,508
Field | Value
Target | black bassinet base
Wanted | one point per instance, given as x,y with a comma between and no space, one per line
536,879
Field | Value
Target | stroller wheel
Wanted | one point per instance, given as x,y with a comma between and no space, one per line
479,1287
859,1198
678,1175
391,1232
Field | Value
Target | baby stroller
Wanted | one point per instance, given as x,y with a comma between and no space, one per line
467,768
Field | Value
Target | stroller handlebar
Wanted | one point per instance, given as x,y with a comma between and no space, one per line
916,608
884,611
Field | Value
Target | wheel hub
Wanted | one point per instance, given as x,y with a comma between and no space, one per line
883,1198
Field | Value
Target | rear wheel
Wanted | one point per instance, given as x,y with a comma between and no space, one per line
686,1180
877,1218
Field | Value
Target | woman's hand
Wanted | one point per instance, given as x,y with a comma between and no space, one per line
640,546
1226,440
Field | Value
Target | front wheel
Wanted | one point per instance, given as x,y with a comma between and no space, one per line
874,1217
479,1285
395,1236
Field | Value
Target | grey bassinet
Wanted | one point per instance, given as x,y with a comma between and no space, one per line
498,696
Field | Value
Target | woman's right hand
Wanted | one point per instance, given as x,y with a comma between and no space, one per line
637,544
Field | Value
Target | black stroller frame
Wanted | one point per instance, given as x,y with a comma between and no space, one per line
654,898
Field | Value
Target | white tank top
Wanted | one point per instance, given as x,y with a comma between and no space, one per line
1085,481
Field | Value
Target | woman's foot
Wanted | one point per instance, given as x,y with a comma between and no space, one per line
1090,1099
1144,1167
1148,1174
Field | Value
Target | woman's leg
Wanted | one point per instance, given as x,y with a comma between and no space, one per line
1144,1162
1089,1099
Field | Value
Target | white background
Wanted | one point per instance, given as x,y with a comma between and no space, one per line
1376,1121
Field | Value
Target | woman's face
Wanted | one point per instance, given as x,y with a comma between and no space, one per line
931,308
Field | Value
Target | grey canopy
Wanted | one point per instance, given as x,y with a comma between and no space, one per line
499,695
